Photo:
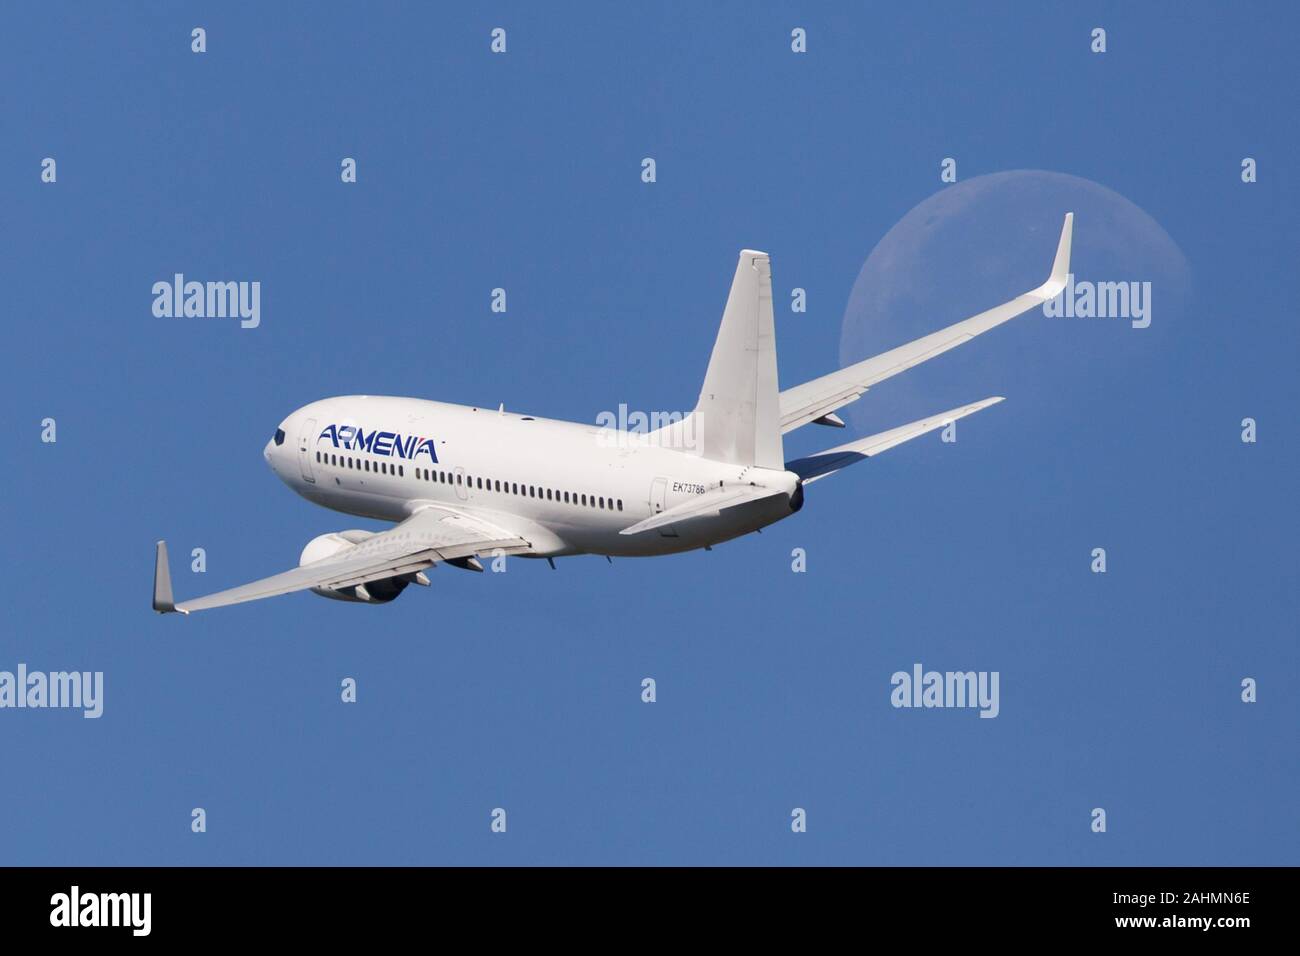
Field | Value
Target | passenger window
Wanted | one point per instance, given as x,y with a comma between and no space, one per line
620,504
480,484
584,499
401,471
498,486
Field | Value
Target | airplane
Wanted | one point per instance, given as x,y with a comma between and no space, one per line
463,483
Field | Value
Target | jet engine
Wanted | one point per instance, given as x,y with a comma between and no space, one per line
796,499
372,592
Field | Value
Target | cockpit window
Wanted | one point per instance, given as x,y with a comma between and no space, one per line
279,436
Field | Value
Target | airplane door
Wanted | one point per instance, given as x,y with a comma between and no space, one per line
462,492
304,449
658,490
658,495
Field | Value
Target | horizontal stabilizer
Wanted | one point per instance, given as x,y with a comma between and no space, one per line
833,459
708,505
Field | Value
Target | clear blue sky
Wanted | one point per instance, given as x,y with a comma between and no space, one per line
522,690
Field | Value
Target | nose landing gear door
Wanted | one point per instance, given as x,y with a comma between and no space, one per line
305,435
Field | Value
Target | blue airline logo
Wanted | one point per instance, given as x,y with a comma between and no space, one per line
389,444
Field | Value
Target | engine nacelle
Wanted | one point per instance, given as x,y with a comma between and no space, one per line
372,592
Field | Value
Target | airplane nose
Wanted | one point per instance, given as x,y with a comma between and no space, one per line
266,452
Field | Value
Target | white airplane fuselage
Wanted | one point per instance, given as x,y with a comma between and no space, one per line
566,488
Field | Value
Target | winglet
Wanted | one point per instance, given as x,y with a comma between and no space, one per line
1055,283
162,581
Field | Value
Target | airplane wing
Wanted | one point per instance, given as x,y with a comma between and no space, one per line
431,535
707,505
833,459
818,398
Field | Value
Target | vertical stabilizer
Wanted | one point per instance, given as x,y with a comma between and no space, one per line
738,416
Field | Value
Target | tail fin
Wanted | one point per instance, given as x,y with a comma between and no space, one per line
738,416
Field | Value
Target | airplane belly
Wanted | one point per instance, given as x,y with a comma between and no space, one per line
351,501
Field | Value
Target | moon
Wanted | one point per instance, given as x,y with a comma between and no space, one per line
983,241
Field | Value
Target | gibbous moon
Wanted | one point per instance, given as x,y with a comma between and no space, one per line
982,241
